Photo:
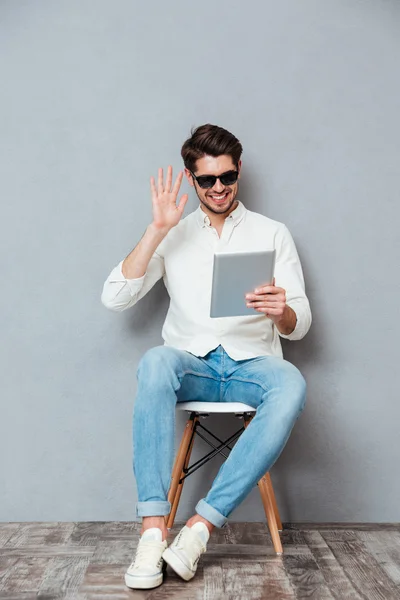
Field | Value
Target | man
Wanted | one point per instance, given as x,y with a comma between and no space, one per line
210,359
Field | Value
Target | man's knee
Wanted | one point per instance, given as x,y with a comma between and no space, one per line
301,387
302,391
158,361
297,385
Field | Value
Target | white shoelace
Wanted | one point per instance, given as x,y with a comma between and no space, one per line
145,553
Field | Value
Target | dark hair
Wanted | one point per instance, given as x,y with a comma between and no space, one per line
210,140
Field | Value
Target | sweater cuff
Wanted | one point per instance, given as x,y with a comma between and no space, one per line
134,285
298,331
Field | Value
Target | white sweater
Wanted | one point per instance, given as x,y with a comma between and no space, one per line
184,259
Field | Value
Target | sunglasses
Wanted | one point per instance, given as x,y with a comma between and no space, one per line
208,181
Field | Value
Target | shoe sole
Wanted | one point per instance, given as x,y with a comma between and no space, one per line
143,583
178,565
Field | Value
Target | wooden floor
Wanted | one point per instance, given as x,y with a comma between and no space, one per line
84,561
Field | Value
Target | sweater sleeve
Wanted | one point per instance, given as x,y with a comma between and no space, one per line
289,276
120,293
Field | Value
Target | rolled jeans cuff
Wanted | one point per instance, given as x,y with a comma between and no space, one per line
153,508
210,513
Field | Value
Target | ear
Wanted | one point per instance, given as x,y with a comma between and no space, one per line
189,177
239,167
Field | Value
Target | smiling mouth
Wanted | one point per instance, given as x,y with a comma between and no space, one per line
219,197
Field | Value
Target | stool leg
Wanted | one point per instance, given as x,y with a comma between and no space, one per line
179,465
272,496
268,504
269,511
175,503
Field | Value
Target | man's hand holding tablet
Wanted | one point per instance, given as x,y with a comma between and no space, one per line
271,301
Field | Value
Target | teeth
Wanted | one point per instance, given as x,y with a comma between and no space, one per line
218,197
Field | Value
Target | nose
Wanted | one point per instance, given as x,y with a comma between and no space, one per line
218,187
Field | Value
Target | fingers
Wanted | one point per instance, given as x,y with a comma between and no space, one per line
169,180
160,184
267,305
160,181
275,312
182,202
273,297
268,289
177,183
153,187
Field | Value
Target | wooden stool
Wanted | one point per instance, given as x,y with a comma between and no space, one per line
182,470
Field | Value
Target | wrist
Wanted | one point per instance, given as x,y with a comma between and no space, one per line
283,317
287,322
158,231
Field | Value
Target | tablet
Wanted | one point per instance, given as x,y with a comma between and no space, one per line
234,275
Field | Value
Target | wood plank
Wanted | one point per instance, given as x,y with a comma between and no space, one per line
63,576
112,551
47,551
6,531
293,539
103,581
251,579
213,579
256,533
36,534
6,564
333,573
336,526
252,533
88,533
339,535
385,547
106,580
362,569
24,576
246,550
19,596
175,588
305,577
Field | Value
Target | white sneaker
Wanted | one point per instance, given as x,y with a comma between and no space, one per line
184,552
146,570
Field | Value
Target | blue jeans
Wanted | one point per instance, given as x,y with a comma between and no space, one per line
166,375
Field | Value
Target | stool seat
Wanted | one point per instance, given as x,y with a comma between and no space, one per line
215,407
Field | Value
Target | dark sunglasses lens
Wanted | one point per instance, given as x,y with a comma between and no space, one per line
206,181
229,178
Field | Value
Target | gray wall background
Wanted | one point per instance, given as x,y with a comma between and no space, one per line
96,96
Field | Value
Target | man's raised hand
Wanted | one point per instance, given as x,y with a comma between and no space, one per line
166,214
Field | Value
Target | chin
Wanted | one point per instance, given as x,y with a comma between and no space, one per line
219,208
